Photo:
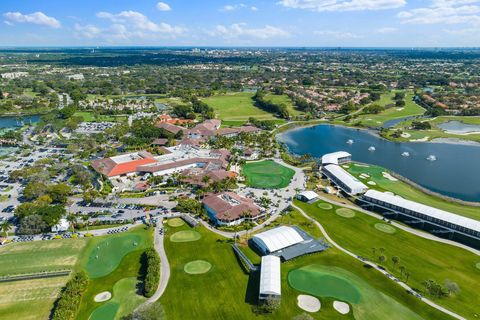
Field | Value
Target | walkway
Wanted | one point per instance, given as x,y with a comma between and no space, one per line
164,265
402,284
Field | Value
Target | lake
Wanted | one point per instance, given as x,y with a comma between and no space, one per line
17,121
458,127
455,173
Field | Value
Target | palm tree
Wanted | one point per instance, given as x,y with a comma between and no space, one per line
5,226
85,220
73,220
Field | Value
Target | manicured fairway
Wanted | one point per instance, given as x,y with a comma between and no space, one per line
106,256
408,192
345,212
237,106
422,258
478,265
385,228
340,284
197,267
124,300
324,206
267,175
185,236
122,281
175,222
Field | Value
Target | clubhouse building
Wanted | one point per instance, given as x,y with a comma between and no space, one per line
230,209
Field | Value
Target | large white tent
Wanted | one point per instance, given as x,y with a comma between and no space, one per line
344,180
276,239
338,157
270,277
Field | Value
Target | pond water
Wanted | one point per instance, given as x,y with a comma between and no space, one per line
17,121
454,173
458,127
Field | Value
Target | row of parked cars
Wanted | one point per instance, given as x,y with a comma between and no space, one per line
123,229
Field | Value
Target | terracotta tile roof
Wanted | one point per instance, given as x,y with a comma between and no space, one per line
170,127
226,211
110,168
160,142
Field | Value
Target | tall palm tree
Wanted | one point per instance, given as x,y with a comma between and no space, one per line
73,220
85,220
5,227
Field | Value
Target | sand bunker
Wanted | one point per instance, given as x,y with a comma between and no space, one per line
308,303
388,176
341,307
405,135
372,183
103,296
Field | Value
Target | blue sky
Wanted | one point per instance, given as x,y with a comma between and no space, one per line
378,23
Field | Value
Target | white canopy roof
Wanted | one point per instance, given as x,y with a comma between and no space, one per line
426,210
279,238
353,183
270,277
309,194
332,158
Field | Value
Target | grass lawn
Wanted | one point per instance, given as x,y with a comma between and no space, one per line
19,298
437,132
237,106
121,281
226,292
279,99
267,174
423,259
376,120
408,192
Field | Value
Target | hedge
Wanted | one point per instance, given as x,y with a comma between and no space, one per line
66,307
152,274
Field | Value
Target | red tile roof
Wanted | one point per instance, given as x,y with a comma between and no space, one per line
227,212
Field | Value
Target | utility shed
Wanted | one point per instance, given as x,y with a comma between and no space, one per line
270,278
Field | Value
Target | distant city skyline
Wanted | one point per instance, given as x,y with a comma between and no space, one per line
300,23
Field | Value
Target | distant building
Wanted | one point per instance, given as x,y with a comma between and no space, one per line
77,76
228,208
123,165
14,75
270,278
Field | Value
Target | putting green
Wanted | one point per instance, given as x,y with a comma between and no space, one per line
385,228
339,284
312,279
325,206
197,267
107,255
267,175
185,236
105,312
345,212
125,300
176,222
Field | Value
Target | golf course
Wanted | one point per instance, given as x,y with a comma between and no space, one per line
420,258
267,175
189,293
385,182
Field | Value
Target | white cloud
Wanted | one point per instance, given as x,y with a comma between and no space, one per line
138,21
444,12
162,6
386,30
88,31
240,30
238,6
337,34
342,5
36,18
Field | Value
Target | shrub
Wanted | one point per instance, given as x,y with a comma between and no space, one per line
152,274
66,307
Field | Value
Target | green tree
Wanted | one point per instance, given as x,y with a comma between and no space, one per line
5,227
